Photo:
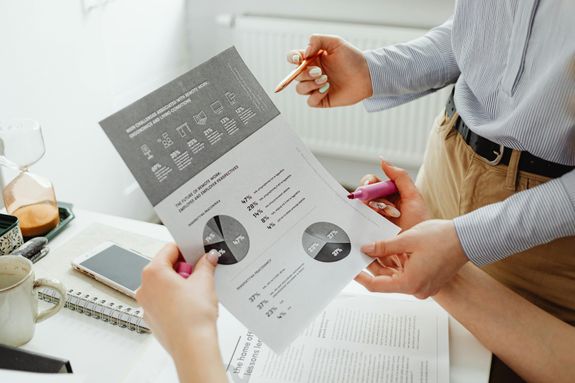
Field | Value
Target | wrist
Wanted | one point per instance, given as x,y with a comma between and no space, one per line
456,247
367,76
196,340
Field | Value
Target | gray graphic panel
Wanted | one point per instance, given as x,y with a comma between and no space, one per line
170,135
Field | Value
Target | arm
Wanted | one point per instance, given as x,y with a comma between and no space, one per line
538,216
386,77
182,314
404,72
536,345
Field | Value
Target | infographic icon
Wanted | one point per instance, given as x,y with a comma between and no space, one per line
326,242
226,235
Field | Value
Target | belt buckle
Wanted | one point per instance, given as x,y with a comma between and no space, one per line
498,157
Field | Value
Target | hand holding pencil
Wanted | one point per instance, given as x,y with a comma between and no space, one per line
332,72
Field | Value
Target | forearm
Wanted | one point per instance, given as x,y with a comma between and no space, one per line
404,72
198,359
522,221
536,345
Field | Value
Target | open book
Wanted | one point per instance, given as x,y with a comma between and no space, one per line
360,338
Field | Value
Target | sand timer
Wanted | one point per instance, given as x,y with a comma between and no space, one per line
28,196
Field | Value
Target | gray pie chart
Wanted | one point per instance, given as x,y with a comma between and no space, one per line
226,235
326,242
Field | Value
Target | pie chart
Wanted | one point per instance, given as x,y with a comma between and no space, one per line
226,235
326,242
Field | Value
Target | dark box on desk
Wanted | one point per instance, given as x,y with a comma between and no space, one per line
12,358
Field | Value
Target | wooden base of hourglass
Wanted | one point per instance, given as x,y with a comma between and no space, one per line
37,219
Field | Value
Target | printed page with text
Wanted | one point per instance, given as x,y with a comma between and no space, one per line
224,171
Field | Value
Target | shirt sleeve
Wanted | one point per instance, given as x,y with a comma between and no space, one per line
527,219
404,72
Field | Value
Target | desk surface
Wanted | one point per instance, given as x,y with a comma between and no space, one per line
109,353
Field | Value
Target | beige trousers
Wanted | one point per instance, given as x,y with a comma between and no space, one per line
454,181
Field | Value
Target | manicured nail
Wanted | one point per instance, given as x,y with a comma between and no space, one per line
213,256
321,80
366,182
315,71
295,59
393,212
324,88
377,205
368,249
382,159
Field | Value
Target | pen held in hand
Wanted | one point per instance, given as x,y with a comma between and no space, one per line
296,72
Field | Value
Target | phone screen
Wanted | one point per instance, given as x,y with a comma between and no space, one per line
119,265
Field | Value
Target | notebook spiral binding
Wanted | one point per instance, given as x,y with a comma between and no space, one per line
113,313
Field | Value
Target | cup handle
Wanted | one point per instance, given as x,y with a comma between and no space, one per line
56,286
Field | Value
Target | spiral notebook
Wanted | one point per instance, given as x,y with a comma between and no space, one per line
87,296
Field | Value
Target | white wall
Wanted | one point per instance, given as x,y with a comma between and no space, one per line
68,67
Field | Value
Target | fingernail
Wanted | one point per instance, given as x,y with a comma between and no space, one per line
321,80
295,59
378,205
382,159
368,249
308,51
213,256
324,88
315,71
393,212
366,182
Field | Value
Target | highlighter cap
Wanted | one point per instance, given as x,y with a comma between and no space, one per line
184,269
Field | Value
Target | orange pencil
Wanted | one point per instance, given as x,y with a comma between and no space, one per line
296,72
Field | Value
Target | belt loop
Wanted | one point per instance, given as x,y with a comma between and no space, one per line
512,171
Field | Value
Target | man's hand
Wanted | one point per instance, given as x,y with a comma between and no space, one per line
337,78
433,256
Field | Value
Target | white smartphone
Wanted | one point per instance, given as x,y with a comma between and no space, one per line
114,266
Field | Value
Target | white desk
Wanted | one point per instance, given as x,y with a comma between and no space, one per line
111,354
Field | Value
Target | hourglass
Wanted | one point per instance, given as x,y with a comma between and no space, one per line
28,196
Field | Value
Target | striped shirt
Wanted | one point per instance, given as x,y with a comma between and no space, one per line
510,61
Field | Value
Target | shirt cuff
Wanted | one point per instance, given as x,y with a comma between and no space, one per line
380,77
522,221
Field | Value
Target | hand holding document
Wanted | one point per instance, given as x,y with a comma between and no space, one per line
224,172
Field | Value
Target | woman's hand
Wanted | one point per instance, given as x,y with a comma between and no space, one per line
405,209
423,257
339,77
179,309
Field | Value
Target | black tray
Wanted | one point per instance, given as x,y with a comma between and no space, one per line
66,215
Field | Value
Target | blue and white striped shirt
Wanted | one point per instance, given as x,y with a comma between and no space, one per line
510,60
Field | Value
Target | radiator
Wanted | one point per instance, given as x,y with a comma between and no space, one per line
398,134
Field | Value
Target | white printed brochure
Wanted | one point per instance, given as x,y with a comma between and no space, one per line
224,171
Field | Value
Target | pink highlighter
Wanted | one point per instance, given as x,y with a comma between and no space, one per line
373,191
184,269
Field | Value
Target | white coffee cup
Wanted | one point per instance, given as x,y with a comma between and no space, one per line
19,300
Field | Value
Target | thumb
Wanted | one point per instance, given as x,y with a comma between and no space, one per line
207,264
326,42
401,178
396,245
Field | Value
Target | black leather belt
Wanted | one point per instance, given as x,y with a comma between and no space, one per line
495,154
